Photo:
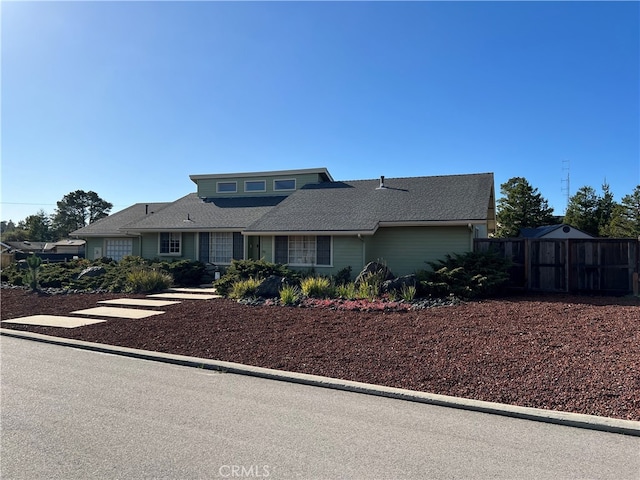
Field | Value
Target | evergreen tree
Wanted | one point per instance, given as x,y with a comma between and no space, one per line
38,227
582,211
78,209
625,218
521,206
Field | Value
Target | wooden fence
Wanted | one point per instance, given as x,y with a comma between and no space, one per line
589,265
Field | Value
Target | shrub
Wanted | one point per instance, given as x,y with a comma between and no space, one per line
346,291
468,275
145,280
370,285
408,292
184,272
251,269
289,295
316,287
343,276
244,288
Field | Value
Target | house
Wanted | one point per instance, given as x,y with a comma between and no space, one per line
306,219
553,231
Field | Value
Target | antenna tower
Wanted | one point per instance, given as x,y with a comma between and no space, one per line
565,182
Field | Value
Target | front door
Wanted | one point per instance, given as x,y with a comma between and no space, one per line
254,248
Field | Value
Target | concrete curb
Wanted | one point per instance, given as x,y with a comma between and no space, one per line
592,422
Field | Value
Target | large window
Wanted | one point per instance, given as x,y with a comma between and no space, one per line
303,250
221,247
170,243
117,248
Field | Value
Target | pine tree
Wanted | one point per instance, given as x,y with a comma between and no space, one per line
521,206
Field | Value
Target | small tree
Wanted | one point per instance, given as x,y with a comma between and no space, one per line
33,262
521,206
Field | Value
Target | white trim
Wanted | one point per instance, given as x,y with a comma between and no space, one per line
227,183
325,233
301,171
295,184
264,183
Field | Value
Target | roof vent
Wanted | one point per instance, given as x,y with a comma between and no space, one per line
381,183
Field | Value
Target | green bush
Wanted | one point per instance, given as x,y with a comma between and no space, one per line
244,288
370,285
146,280
185,273
289,295
251,269
468,275
34,262
343,276
346,291
316,287
408,292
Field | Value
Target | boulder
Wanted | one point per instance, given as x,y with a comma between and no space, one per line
398,283
92,272
373,268
270,287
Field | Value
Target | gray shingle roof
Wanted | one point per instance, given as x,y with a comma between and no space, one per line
112,225
361,206
193,213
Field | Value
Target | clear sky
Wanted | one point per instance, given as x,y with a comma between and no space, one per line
129,98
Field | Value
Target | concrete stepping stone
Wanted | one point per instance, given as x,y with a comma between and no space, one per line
118,312
140,302
205,290
185,296
54,321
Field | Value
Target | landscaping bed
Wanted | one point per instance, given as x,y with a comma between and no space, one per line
560,352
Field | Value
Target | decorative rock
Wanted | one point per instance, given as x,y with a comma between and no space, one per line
92,272
373,268
398,283
270,287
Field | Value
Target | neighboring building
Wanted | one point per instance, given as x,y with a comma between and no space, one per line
305,219
31,247
554,231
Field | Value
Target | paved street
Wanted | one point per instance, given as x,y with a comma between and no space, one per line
74,414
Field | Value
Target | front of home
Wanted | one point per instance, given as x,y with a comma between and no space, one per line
305,219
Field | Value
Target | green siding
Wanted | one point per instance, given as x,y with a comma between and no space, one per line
150,243
207,187
406,249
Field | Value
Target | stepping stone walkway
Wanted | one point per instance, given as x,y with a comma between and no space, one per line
155,300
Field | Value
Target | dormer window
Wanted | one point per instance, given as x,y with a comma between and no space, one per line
226,187
284,184
255,186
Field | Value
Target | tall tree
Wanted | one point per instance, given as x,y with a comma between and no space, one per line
78,209
521,206
625,218
582,211
38,227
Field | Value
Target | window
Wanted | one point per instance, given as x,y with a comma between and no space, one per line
117,248
170,243
303,250
284,184
255,186
221,247
226,187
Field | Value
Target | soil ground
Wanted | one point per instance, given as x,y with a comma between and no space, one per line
572,353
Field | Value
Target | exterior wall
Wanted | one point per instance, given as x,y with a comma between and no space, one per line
207,187
406,249
100,242
150,245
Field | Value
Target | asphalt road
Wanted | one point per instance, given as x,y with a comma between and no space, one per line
69,413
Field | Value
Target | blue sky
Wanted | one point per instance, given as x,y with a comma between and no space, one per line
129,98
